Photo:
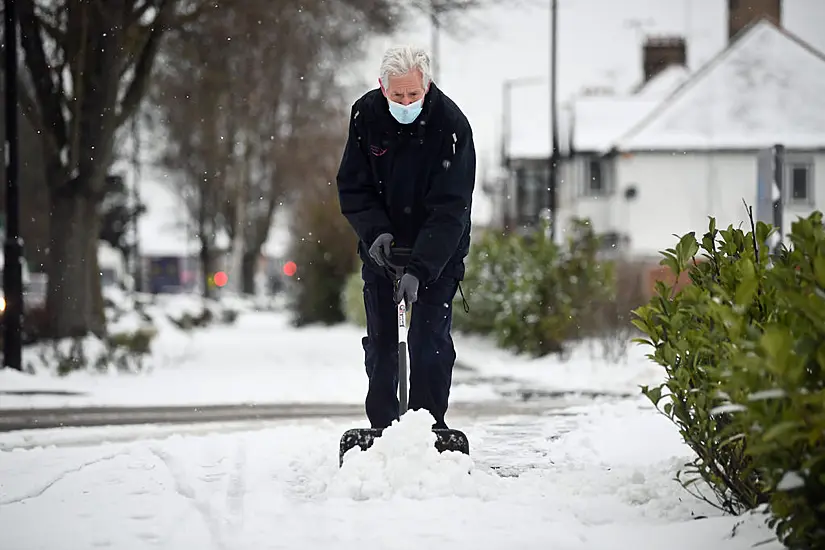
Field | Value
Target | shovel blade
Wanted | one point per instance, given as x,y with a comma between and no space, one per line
445,440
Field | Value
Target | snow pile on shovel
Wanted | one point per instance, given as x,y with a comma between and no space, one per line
404,462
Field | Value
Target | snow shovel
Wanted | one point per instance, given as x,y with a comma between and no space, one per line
446,439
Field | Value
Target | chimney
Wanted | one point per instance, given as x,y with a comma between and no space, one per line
661,52
742,13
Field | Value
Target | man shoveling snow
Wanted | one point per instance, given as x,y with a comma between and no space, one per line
406,181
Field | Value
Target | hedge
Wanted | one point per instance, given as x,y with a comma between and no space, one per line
743,347
525,291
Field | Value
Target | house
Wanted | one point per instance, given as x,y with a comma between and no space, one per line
590,187
587,126
520,194
684,146
697,153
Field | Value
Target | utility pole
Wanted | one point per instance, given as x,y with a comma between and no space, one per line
137,264
13,246
554,123
435,9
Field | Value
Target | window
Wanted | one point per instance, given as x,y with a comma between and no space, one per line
530,182
799,183
595,183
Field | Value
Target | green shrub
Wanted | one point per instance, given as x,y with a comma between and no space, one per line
353,300
188,321
531,294
125,352
491,265
139,341
528,293
324,247
228,316
743,347
777,384
687,330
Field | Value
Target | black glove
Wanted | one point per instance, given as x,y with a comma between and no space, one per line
380,249
407,289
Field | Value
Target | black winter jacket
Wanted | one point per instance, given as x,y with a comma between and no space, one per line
414,181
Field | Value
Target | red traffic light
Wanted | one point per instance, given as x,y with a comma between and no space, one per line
220,278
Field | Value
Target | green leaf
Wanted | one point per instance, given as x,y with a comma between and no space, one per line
776,342
654,394
643,326
748,284
780,430
819,271
643,341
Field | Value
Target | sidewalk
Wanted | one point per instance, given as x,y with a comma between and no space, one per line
599,480
261,359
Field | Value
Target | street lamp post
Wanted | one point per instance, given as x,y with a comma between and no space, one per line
552,186
435,9
13,245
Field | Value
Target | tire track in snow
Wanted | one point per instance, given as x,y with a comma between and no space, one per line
234,497
185,489
60,477
236,490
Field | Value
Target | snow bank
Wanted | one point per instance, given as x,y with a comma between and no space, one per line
404,462
583,371
128,315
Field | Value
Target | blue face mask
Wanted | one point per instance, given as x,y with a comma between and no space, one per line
405,114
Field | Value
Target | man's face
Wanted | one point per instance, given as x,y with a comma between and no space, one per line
405,89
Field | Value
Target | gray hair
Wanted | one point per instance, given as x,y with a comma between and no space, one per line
400,60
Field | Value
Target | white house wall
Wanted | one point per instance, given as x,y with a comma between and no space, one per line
601,211
678,192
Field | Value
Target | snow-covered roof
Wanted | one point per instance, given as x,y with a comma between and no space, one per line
664,83
530,123
766,88
600,120
591,123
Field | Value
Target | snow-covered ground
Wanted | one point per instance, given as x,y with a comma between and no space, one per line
600,479
263,359
598,476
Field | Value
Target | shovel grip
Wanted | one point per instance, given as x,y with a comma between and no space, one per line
398,260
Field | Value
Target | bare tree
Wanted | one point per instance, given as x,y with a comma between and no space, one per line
239,99
245,95
288,111
193,103
86,65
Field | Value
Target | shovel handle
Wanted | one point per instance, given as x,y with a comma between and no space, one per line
403,381
399,258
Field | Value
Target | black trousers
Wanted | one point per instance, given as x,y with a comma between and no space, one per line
430,345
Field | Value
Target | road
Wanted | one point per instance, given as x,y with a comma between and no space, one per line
29,419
